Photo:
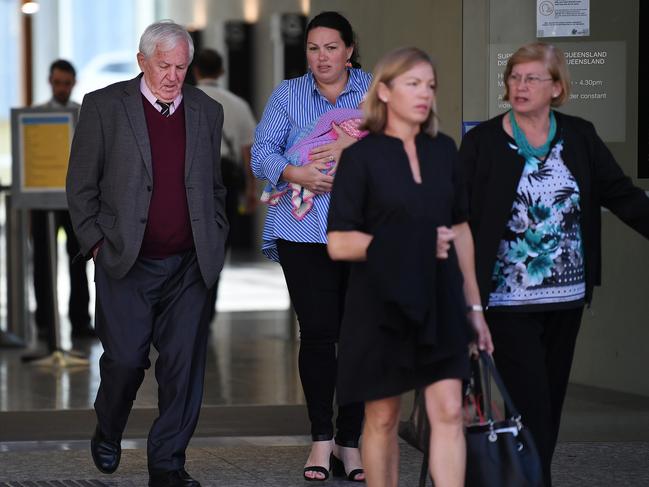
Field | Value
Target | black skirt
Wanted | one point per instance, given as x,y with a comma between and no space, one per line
377,359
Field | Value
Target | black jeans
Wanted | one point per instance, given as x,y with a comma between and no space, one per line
231,208
317,287
533,353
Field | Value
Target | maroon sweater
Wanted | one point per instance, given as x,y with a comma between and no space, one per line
168,229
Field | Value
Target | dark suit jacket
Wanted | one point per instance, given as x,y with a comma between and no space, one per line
110,177
493,170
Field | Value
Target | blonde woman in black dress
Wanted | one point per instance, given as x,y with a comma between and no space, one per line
398,213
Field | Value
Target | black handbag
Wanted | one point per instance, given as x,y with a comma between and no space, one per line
232,172
500,453
416,430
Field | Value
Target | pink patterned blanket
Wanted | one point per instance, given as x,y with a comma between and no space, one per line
314,135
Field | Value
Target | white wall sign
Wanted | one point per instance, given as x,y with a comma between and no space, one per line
562,18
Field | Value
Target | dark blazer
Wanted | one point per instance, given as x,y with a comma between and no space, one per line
492,171
110,177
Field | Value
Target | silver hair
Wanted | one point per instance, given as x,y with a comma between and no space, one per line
165,34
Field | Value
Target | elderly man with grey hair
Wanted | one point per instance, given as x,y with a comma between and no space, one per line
146,200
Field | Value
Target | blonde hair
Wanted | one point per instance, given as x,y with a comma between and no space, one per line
553,59
392,65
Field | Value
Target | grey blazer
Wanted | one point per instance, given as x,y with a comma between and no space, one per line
110,178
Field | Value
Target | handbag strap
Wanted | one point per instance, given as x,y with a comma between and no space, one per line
491,371
486,380
479,391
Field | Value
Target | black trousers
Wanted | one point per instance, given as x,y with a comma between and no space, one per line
163,302
231,209
317,286
533,353
79,296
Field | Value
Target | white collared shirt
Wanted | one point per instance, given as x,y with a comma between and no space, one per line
148,94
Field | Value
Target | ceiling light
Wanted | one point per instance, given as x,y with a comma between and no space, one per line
29,8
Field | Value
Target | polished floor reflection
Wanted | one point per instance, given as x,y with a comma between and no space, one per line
251,353
251,360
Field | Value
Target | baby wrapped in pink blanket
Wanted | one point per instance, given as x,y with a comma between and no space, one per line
318,133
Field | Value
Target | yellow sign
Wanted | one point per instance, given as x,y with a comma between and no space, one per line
46,149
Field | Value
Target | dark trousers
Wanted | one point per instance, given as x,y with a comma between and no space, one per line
231,208
533,353
79,296
317,287
163,302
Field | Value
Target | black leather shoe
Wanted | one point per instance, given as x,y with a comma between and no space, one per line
175,478
105,453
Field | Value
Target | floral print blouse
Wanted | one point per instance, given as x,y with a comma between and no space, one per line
540,258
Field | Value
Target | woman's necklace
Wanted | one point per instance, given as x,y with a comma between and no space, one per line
526,149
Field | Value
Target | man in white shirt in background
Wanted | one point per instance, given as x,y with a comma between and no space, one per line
237,137
62,79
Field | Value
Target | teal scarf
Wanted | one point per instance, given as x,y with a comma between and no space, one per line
524,147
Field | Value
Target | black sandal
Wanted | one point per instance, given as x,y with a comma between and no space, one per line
318,469
338,470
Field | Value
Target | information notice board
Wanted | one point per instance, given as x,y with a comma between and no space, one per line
40,143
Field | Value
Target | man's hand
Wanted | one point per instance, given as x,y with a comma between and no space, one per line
95,249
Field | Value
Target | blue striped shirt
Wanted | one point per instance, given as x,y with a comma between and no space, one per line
293,105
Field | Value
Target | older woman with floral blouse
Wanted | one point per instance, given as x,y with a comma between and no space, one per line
537,180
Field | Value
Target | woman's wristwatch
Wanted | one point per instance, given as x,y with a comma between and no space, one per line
475,307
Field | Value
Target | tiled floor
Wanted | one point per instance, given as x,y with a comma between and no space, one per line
275,463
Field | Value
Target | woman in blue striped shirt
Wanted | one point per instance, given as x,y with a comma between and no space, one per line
316,284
